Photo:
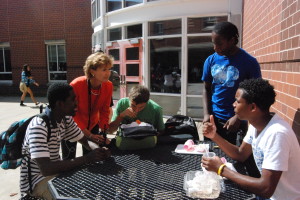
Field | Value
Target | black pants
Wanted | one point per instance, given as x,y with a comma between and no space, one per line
69,148
236,138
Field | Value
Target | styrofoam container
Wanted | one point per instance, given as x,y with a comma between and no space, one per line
199,184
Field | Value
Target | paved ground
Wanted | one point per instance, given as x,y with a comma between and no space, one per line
10,111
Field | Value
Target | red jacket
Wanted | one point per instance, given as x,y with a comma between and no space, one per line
100,109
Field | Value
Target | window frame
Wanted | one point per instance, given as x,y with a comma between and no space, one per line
56,44
3,47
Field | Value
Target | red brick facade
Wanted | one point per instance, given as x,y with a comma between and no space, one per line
27,24
271,33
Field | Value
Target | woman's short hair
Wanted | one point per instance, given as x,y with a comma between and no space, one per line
96,60
139,94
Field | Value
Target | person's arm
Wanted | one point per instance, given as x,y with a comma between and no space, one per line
207,96
114,125
237,153
48,167
263,186
232,124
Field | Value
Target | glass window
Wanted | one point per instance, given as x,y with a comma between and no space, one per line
165,65
5,64
132,53
203,24
132,69
132,2
57,62
115,34
134,31
94,11
199,48
115,53
113,5
169,27
98,9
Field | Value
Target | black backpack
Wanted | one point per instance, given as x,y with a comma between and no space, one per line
178,129
12,139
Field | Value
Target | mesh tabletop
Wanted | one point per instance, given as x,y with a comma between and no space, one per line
156,173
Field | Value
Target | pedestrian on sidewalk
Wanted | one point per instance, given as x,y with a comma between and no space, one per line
26,82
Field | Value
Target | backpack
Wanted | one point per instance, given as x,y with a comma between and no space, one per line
11,142
134,138
178,129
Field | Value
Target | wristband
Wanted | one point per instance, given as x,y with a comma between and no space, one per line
220,170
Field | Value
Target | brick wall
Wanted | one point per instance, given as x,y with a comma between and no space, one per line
27,24
271,33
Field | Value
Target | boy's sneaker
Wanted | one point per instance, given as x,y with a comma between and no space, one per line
22,104
37,103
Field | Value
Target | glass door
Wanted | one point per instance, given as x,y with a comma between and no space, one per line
128,64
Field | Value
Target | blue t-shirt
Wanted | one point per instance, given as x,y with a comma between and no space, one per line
225,74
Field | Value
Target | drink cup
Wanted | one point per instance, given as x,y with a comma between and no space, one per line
209,155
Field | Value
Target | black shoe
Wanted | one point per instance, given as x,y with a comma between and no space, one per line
22,104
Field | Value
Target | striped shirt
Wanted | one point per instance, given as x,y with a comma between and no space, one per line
35,145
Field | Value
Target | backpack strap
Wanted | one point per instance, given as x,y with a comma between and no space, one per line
45,117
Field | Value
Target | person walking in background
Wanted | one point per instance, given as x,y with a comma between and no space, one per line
94,94
222,73
271,140
26,82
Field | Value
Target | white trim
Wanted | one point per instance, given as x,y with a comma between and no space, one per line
55,42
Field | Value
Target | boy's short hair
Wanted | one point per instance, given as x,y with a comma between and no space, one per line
258,91
227,30
58,92
139,94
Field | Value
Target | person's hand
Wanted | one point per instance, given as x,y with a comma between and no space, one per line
98,139
233,124
209,128
206,118
36,84
128,112
98,154
211,164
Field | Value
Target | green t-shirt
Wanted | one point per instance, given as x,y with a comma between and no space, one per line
151,114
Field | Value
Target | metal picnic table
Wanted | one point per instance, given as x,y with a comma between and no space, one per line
156,173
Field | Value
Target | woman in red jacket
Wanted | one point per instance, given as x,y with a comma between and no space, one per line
93,93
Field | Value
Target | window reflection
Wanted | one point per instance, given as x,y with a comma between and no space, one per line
114,34
134,31
169,27
112,5
132,53
199,48
165,57
132,2
115,53
203,24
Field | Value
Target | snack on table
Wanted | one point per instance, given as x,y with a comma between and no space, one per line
138,121
189,145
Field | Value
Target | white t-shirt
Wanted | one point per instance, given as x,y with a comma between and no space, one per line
277,148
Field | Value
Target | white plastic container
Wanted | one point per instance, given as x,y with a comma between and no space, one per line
199,184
